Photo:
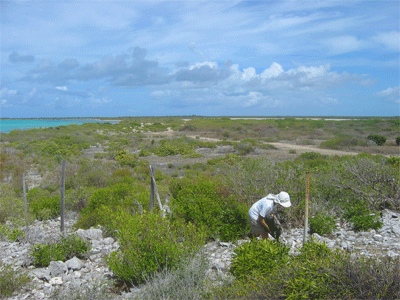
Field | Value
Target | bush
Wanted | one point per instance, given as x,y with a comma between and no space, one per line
362,218
341,142
377,139
42,205
366,222
67,248
206,202
398,141
11,204
321,273
149,244
13,234
322,224
258,258
11,280
234,222
129,197
125,158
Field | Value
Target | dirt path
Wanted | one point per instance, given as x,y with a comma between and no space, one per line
309,148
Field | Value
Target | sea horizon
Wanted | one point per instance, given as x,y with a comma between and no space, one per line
9,124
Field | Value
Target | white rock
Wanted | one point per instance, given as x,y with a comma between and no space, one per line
56,281
378,238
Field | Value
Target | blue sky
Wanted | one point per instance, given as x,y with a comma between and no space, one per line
212,58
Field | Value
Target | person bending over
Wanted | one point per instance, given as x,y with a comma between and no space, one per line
262,216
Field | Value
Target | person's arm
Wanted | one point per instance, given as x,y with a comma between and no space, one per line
262,221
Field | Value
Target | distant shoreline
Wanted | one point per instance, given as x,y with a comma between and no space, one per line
9,124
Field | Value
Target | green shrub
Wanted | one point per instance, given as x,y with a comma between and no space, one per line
258,257
362,218
377,139
11,280
366,222
130,197
398,141
125,158
206,202
322,224
197,201
311,156
149,244
101,155
234,222
13,234
11,204
65,249
244,148
321,273
144,152
42,205
341,142
394,160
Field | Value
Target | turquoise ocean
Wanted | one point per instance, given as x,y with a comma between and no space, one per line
7,125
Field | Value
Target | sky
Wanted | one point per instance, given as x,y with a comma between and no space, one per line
207,58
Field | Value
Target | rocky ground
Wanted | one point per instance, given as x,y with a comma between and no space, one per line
76,272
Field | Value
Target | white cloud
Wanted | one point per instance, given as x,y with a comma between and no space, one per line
390,94
5,92
62,88
390,40
344,44
273,71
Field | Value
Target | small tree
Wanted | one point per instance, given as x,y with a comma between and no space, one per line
377,139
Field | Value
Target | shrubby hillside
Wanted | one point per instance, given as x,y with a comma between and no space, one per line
213,170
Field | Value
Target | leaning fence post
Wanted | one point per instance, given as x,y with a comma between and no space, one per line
154,187
25,203
62,195
306,208
151,189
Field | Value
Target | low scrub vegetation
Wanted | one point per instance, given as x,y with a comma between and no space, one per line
317,272
209,201
149,244
65,249
12,279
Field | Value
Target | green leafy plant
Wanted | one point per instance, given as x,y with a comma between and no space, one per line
362,218
13,234
341,142
65,249
234,222
322,224
150,243
366,222
42,204
377,139
398,141
258,257
11,280
125,158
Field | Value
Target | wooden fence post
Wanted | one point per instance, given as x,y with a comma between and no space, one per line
154,188
62,195
25,203
151,189
306,208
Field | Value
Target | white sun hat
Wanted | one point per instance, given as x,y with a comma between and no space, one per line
283,199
